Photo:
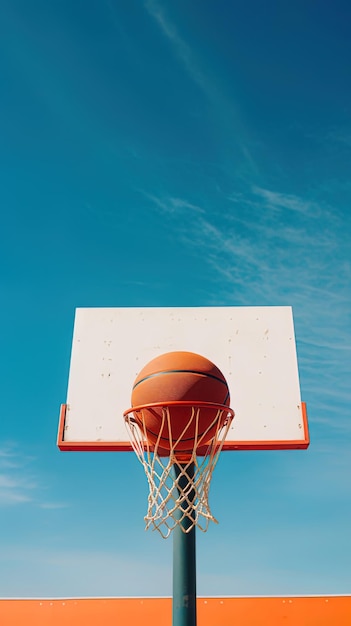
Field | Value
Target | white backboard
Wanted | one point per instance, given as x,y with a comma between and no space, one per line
254,347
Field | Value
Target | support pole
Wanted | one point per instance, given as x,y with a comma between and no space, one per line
184,557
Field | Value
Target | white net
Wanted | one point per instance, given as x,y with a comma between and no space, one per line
179,481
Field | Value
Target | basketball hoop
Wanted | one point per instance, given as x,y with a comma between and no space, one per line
178,469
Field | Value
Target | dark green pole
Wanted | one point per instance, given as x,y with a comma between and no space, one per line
184,557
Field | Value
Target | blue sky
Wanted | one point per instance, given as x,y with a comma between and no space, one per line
159,154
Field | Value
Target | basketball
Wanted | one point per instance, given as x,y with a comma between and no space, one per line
180,376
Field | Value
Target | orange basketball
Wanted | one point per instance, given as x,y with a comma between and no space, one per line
180,376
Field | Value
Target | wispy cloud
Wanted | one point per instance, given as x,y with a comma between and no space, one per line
173,205
294,253
14,490
19,482
53,505
181,48
17,485
225,111
275,200
7,459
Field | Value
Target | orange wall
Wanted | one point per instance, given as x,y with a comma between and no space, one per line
288,611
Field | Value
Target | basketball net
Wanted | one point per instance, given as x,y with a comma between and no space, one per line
179,481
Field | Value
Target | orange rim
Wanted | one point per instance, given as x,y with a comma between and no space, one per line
198,405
